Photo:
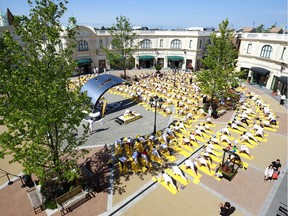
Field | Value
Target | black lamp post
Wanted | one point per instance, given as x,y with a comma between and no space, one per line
175,71
155,101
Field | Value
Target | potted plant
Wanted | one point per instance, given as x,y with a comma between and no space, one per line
158,67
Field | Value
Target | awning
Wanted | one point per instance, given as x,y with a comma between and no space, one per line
259,70
84,61
175,58
146,57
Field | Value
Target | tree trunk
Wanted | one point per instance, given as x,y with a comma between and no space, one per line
124,76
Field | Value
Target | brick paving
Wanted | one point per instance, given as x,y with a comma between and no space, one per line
246,191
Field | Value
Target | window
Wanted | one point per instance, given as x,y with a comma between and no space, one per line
100,43
190,44
200,44
161,42
176,44
266,51
82,45
146,43
283,53
249,48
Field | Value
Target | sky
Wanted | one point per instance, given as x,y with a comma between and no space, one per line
169,14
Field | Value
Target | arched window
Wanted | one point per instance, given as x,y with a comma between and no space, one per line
266,51
82,45
176,44
146,43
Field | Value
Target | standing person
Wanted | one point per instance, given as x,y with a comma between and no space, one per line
94,70
282,99
90,122
224,208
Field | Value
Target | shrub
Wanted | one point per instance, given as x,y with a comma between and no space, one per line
50,204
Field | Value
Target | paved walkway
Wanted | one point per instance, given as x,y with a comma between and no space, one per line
139,195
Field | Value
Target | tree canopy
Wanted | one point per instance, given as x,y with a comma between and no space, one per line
39,111
121,53
220,63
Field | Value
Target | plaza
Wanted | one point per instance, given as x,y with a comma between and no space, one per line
136,193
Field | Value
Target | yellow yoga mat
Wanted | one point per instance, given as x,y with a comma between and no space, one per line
187,148
270,129
218,134
169,187
245,155
245,165
196,180
200,139
190,172
247,143
218,179
169,157
211,125
181,151
205,170
207,136
261,139
210,131
216,159
240,131
177,177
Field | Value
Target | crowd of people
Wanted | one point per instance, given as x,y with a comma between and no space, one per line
183,98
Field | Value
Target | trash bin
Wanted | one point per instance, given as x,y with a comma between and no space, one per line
28,182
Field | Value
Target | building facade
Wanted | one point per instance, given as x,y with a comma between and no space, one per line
264,57
172,49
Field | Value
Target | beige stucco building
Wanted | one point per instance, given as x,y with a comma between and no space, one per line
173,49
264,55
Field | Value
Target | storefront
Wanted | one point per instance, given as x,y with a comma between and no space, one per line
146,61
280,83
175,61
260,75
84,65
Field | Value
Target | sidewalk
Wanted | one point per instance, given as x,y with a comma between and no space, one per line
246,192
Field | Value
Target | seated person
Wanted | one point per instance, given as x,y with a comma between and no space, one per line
268,173
128,113
276,165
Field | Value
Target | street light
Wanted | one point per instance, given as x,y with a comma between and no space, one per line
155,101
175,71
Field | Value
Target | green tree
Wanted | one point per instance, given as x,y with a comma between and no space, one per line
39,111
260,28
220,63
121,54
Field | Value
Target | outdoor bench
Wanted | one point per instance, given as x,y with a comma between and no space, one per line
221,112
67,200
35,199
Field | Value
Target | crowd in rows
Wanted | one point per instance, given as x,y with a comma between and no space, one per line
192,127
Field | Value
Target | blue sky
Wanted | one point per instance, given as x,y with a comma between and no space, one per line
169,13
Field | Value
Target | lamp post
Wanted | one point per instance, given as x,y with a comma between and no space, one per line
155,101
175,71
